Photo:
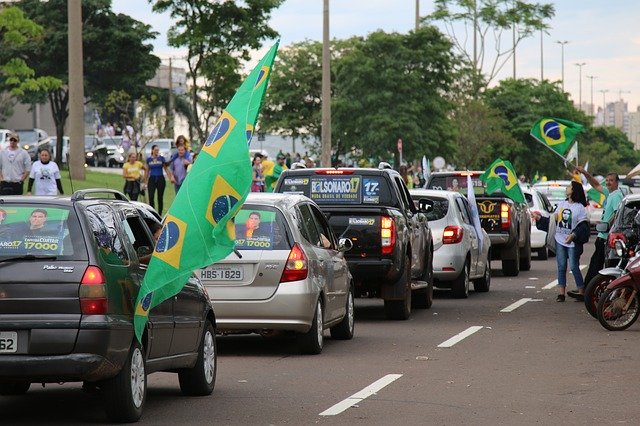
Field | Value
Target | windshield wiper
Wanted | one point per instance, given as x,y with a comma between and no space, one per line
28,257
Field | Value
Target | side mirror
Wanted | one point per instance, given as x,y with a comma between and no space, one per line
144,251
424,205
345,244
602,227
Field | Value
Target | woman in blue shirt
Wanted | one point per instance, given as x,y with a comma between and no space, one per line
154,175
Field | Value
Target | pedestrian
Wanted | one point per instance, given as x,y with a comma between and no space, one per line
182,141
572,230
132,172
128,138
194,156
109,130
257,182
15,165
309,162
271,179
178,167
613,197
154,176
46,176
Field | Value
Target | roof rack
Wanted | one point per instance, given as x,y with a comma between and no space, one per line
84,194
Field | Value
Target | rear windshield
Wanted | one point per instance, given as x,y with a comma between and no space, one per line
261,228
553,193
40,231
529,198
456,183
439,209
342,189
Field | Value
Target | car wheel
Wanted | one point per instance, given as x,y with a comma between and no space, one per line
201,379
423,298
14,387
125,393
344,329
543,254
460,285
525,256
312,341
511,267
483,284
401,309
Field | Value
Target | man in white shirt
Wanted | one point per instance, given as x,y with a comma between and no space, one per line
15,164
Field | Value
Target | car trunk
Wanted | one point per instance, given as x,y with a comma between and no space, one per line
39,302
489,211
361,226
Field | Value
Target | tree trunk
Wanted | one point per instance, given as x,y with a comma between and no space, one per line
59,101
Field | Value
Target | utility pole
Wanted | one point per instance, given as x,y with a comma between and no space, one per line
171,100
580,65
76,91
541,56
620,92
591,108
604,108
325,157
562,43
417,14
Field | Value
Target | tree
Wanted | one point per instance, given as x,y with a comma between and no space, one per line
218,35
608,150
116,54
392,86
487,21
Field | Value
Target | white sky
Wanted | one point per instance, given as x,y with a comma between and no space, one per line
602,33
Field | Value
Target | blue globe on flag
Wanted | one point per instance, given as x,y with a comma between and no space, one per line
169,237
552,130
503,173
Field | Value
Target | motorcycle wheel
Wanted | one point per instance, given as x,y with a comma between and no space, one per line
611,312
593,292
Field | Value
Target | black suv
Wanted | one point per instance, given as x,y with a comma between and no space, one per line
70,272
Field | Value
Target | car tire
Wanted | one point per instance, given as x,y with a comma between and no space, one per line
14,387
201,378
401,309
525,256
312,341
125,394
483,284
543,254
344,329
423,298
460,285
511,267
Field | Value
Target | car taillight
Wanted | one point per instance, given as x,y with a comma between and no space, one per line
452,235
611,241
505,216
296,268
334,172
93,292
387,234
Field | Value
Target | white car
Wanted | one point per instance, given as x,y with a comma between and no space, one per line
457,258
541,241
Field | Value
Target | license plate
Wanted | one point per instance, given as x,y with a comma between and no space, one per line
222,273
8,342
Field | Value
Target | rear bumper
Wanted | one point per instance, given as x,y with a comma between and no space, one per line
377,270
56,368
449,256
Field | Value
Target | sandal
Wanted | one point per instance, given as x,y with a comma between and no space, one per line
560,298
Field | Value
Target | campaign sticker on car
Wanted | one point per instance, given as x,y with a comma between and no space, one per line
336,189
367,221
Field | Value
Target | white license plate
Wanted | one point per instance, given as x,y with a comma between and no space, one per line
8,342
221,273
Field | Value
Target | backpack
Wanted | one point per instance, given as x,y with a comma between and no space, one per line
582,233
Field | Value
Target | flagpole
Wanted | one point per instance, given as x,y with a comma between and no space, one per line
564,160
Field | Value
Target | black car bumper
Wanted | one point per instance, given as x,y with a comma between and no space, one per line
56,368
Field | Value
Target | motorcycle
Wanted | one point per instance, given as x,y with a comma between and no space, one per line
619,305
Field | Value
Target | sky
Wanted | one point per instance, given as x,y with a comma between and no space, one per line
603,34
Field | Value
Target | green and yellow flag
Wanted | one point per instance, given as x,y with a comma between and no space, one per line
555,133
596,196
501,176
198,229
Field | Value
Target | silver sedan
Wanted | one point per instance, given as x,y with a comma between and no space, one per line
288,273
457,255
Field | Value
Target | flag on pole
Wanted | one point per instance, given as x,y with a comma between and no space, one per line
501,176
556,134
583,178
572,155
426,169
475,215
198,229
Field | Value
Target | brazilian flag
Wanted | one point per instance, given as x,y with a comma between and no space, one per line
555,133
501,176
596,196
198,229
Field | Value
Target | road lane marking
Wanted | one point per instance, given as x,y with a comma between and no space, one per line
554,283
372,389
460,336
512,307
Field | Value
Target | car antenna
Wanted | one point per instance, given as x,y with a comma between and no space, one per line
237,252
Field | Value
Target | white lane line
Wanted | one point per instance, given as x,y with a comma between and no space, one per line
460,336
512,307
372,389
554,283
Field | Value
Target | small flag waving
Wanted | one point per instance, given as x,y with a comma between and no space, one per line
475,215
572,155
198,229
501,176
556,134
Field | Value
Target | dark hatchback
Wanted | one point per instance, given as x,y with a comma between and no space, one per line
70,272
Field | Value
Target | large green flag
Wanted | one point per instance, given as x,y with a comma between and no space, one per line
501,176
555,133
198,229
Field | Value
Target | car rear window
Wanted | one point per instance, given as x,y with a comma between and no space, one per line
439,209
456,183
352,189
261,228
40,231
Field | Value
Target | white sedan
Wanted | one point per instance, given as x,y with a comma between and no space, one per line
541,241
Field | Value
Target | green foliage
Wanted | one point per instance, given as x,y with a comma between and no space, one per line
391,86
608,150
218,36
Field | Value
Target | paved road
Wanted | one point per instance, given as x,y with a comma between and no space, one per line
542,362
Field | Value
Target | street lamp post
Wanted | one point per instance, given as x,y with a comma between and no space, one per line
541,56
562,43
604,108
580,65
591,108
325,137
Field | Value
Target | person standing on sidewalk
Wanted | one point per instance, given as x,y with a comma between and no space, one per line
45,174
154,175
613,197
15,165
